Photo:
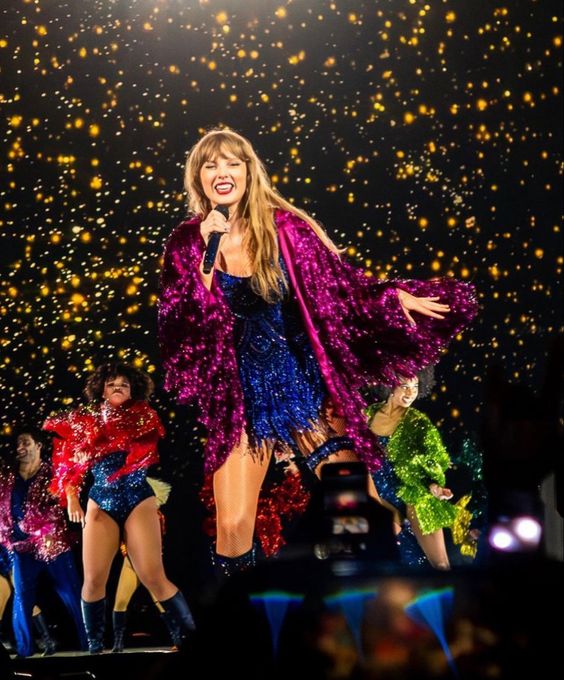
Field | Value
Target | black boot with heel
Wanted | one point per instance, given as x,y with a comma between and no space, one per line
94,617
42,630
178,617
118,624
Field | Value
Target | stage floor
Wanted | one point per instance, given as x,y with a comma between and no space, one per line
323,620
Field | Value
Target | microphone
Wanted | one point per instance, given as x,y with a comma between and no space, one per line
213,242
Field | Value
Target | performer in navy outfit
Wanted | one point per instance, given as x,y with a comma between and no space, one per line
33,529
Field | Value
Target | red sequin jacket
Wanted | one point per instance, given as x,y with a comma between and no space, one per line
89,433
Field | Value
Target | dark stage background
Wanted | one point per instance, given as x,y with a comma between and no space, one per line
425,136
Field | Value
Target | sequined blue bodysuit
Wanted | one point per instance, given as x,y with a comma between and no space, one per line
282,385
120,496
387,483
385,479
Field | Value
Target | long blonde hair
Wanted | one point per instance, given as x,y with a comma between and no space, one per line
256,208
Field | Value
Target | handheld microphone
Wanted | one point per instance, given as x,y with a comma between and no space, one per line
213,242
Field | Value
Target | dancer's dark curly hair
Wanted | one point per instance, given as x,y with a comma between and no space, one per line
426,383
141,384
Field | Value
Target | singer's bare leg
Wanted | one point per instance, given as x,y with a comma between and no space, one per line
236,487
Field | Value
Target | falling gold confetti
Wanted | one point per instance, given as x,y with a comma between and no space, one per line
422,135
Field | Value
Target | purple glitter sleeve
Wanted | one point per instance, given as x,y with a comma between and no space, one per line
355,324
357,327
197,347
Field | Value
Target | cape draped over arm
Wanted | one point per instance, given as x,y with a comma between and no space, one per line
358,330
197,346
355,324
43,519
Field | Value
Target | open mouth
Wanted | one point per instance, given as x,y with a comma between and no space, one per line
224,188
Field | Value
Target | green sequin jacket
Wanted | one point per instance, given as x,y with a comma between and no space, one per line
419,458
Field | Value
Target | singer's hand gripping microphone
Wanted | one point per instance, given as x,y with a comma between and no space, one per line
213,242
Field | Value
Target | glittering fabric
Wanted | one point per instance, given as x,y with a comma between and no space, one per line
354,323
410,552
42,522
197,346
279,503
472,505
461,529
233,565
89,433
118,495
418,458
5,562
386,481
282,386
470,456
326,449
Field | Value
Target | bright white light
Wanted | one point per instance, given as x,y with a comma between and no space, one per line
520,534
528,529
502,539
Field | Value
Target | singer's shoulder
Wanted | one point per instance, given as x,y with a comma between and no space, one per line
185,231
288,221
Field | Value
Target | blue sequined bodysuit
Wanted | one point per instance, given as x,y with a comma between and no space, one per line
120,496
282,384
385,479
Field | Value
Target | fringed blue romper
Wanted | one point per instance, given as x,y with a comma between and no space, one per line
282,384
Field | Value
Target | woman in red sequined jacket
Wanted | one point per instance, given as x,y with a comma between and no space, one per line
114,437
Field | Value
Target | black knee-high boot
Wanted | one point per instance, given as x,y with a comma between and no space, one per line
42,630
172,627
224,567
118,624
94,617
177,614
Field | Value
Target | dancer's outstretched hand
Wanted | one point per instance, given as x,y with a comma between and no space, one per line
428,306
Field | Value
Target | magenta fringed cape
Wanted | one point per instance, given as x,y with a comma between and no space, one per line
355,325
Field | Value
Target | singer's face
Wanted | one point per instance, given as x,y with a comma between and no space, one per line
224,179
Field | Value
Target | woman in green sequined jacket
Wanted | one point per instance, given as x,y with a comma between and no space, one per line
411,480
